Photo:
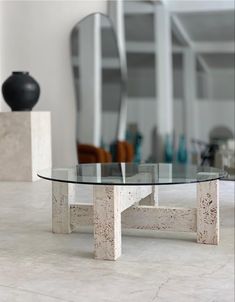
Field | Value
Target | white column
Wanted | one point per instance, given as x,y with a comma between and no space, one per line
209,86
190,96
89,120
116,12
164,73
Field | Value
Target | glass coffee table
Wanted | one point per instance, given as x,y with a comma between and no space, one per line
126,195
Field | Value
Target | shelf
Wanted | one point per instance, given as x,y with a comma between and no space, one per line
148,99
133,8
107,63
147,47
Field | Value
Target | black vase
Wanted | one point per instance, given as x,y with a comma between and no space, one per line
21,91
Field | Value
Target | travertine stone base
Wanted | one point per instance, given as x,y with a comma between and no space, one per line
25,145
116,206
208,212
107,222
129,195
80,215
62,195
142,217
160,218
152,199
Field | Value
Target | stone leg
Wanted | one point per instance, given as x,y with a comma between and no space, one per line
152,199
107,222
62,195
208,212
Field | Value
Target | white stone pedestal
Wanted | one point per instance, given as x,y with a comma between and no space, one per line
25,145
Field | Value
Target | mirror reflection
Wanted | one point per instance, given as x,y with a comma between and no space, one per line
97,82
180,83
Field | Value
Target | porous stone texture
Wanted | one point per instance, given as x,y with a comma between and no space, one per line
107,222
160,218
37,265
109,202
80,215
25,145
114,206
141,217
128,195
62,195
152,199
208,212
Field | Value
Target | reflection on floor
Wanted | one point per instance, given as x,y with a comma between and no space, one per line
36,265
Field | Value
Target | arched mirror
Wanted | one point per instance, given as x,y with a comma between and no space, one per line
97,82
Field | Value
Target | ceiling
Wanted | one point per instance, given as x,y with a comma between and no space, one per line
213,28
209,26
219,60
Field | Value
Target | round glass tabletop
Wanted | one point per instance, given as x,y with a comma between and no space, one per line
132,174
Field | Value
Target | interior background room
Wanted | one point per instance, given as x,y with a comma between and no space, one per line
157,74
202,94
37,35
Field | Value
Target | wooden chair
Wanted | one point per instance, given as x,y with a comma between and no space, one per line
124,152
91,154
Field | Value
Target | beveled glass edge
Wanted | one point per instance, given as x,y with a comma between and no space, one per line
130,184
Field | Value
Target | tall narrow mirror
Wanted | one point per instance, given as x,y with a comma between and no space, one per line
97,82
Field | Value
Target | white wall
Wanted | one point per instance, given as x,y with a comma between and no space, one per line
220,109
34,36
223,115
223,84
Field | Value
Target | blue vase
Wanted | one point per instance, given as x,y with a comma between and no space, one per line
138,149
168,150
182,155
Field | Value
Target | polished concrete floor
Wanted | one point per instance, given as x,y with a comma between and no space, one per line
38,266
